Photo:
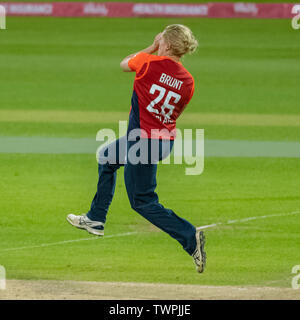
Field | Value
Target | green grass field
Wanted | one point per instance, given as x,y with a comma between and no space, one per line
52,68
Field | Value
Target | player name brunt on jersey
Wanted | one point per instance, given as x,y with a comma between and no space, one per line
170,81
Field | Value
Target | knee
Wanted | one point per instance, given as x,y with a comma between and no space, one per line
133,206
134,203
144,204
138,208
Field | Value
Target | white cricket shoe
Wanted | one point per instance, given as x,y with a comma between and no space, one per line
199,254
83,222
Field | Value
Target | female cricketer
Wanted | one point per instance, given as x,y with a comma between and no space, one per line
161,91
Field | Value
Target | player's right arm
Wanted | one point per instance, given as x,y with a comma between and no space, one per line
149,50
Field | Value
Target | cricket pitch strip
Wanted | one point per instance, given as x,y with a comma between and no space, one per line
88,290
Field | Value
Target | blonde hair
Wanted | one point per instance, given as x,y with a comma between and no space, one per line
180,39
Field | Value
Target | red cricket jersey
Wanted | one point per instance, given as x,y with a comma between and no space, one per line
162,89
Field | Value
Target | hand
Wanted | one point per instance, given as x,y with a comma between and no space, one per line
156,41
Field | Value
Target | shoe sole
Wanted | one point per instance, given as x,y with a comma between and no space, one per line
88,229
200,239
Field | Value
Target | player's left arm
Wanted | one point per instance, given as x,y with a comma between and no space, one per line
150,50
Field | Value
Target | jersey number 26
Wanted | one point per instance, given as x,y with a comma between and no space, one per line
167,108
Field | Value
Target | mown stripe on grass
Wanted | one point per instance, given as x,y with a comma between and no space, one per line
60,116
213,148
230,119
285,214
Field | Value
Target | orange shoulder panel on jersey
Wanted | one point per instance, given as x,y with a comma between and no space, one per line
136,62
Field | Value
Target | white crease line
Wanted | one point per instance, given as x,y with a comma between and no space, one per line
208,226
249,219
135,232
69,241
